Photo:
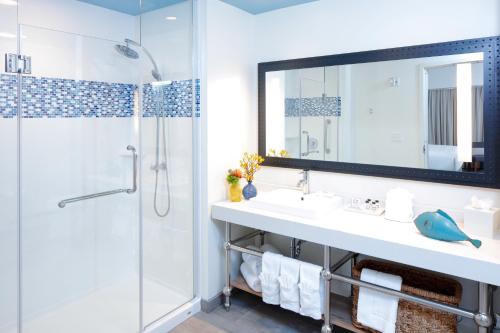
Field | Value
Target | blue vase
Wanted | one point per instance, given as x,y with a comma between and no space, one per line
249,191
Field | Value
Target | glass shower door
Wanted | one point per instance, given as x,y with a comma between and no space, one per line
80,257
8,174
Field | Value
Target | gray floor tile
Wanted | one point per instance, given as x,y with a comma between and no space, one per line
249,315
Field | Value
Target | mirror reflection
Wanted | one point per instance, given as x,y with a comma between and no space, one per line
418,113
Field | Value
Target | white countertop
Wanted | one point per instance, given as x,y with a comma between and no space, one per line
374,236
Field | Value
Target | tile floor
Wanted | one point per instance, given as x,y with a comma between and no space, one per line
250,315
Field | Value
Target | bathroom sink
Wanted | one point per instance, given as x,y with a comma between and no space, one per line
292,202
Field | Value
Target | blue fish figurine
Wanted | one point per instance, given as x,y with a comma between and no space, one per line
439,225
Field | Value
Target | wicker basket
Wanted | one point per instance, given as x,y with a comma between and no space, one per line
414,318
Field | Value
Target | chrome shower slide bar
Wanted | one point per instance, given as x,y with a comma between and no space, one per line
63,203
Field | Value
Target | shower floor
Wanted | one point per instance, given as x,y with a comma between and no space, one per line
111,310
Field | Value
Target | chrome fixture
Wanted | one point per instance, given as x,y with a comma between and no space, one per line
163,166
304,182
311,144
128,52
327,125
20,64
63,203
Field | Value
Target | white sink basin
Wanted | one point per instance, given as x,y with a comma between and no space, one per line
292,202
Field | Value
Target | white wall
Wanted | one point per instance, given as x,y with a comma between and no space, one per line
229,90
322,28
338,26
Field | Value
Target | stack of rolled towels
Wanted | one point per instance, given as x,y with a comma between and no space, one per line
252,266
290,283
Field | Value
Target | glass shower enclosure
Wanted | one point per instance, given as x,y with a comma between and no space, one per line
97,105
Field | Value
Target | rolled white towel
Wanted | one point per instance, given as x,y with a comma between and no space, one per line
269,278
312,291
255,262
269,248
263,248
247,257
251,277
289,284
254,265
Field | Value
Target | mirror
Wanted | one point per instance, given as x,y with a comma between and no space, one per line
424,113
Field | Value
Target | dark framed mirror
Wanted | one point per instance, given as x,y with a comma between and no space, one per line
426,112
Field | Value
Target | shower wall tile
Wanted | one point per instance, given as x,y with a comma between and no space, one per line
171,100
8,96
61,98
56,98
313,107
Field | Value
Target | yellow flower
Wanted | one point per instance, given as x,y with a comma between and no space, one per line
250,163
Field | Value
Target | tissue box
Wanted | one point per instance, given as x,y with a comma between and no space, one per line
482,222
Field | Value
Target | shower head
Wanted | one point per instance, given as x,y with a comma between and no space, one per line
126,51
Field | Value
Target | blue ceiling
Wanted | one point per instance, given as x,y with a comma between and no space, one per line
132,7
262,6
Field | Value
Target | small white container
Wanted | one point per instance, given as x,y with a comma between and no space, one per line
399,205
482,222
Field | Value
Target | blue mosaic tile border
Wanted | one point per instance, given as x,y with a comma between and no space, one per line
313,107
62,98
8,96
171,100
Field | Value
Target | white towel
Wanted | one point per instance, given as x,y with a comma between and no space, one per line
269,277
251,276
255,264
289,284
247,257
312,291
376,310
269,248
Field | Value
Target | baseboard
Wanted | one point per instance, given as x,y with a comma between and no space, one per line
211,304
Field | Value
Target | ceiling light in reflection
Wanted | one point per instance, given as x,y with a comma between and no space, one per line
8,2
171,18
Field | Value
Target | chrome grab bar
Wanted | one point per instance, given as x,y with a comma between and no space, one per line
63,203
134,166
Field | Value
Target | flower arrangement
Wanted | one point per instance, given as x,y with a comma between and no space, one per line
282,153
233,176
233,179
250,165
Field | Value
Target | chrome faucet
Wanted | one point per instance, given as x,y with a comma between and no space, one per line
304,182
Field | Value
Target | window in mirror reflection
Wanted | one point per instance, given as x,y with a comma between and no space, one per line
418,113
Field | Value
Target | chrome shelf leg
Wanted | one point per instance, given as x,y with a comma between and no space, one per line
484,317
327,277
227,247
